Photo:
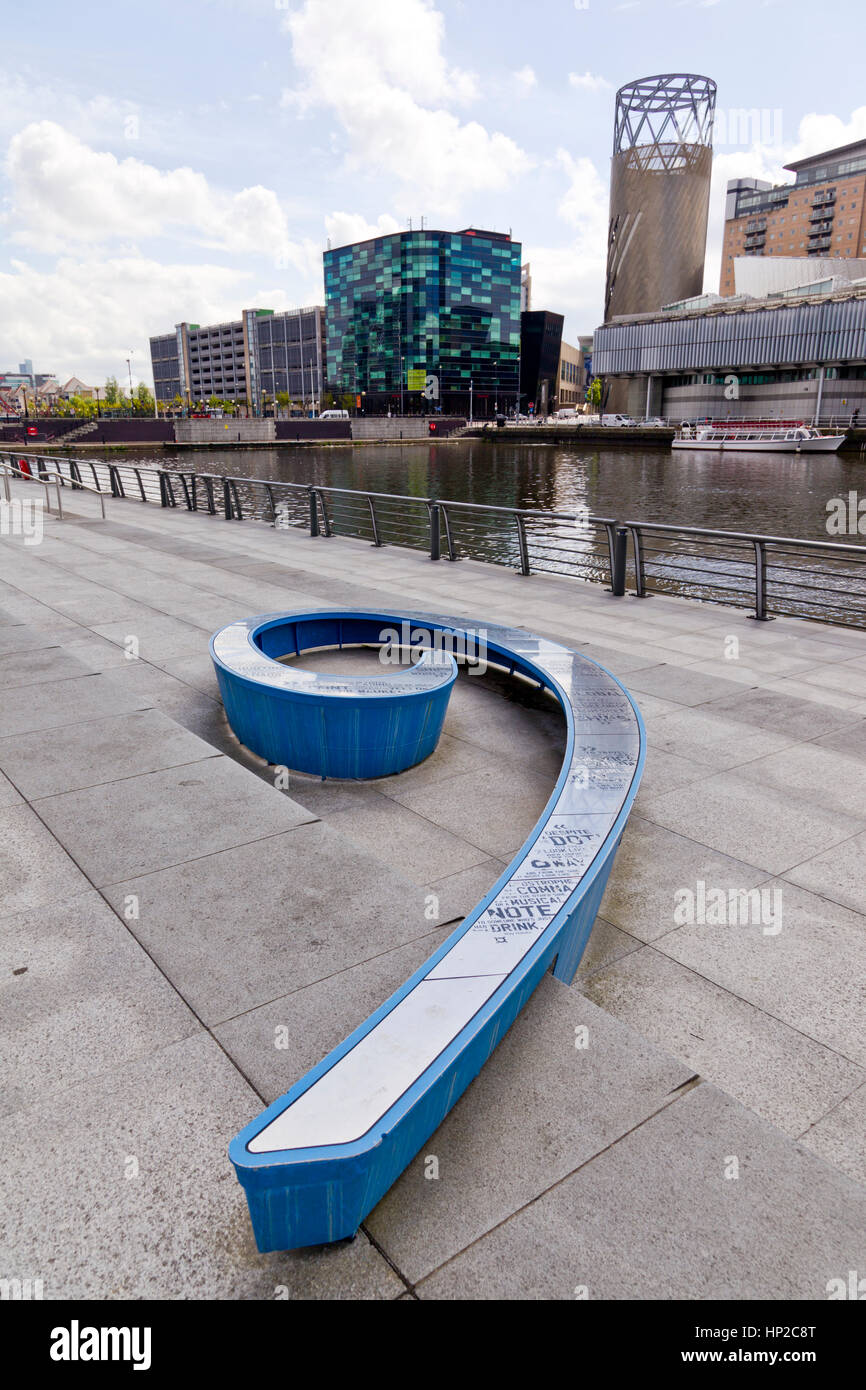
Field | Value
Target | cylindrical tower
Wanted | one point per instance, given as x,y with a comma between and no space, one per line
659,192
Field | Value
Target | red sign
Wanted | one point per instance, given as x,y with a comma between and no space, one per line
31,429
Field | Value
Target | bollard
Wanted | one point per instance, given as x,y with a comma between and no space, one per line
617,578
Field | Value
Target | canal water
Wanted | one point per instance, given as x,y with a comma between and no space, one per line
773,494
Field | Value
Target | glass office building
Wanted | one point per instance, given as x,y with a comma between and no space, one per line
425,310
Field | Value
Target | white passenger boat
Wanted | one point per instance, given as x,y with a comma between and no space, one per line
749,437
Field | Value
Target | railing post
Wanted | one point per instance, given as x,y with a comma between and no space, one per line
449,539
761,582
163,491
521,541
639,576
237,501
314,513
620,550
227,500
374,522
208,487
435,550
115,480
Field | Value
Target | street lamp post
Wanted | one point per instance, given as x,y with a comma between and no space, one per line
470,400
129,370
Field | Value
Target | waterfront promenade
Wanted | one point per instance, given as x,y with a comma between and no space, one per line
182,939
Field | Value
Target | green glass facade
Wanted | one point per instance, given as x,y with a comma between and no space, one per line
446,303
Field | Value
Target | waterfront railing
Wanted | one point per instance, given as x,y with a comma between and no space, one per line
766,575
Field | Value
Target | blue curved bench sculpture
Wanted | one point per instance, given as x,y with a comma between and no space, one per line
318,1159
337,726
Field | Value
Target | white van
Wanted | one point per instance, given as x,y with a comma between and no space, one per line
334,415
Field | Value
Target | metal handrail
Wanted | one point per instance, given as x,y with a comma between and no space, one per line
735,567
46,478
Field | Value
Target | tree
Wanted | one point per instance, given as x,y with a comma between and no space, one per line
113,393
594,394
142,400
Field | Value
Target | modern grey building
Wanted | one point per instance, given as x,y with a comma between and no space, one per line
659,192
786,358
252,359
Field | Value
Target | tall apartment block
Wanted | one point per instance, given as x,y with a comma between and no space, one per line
252,358
820,214
441,308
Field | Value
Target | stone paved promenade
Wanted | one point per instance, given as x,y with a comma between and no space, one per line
180,940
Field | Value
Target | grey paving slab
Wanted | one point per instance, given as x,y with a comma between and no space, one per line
793,687
34,868
102,608
197,671
652,865
771,709
846,677
655,1217
237,929
840,1136
8,794
606,944
104,750
495,809
573,1102
137,1199
158,636
809,973
758,824
43,664
274,1045
21,637
663,772
96,653
835,873
523,729
821,775
48,706
768,1066
78,997
680,685
851,740
703,736
416,847
457,894
144,823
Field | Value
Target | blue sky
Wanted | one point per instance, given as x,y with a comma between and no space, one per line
183,161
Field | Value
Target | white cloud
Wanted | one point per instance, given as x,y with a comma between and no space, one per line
100,307
63,193
381,69
570,279
343,228
588,82
526,79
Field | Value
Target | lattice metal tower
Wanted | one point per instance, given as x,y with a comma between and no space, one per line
659,192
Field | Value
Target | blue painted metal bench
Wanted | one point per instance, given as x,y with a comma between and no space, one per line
317,1161
337,726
